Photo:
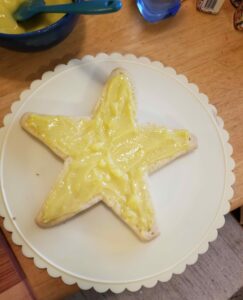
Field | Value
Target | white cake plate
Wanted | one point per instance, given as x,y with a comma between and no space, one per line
95,249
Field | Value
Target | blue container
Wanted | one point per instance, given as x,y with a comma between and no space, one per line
157,10
40,39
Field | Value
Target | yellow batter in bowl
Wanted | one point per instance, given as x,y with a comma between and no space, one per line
10,26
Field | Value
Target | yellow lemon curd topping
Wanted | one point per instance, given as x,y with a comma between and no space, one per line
9,25
106,157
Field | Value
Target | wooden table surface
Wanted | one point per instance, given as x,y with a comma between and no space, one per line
205,48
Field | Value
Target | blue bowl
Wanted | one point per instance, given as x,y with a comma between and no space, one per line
41,39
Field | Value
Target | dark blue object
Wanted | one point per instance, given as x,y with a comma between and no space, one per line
28,10
40,39
157,10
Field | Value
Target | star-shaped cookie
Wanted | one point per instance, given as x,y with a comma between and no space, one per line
107,158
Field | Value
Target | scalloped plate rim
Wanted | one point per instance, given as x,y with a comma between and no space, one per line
210,236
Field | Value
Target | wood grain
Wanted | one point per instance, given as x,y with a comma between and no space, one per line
19,291
13,284
205,48
8,274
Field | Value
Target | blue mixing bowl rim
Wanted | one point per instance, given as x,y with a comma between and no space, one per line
58,23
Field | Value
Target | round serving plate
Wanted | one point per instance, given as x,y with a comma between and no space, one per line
95,249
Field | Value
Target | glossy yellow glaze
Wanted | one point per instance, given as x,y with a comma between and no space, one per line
107,156
9,25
